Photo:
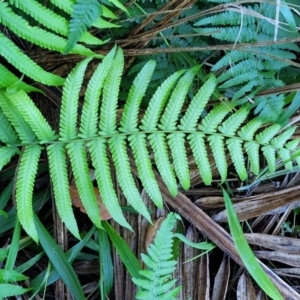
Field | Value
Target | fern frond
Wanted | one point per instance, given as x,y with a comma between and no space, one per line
35,34
24,188
252,150
170,115
117,146
143,163
269,153
281,139
176,143
16,119
89,116
77,154
100,162
285,155
69,106
50,19
158,144
156,282
137,91
7,134
59,176
266,135
32,116
199,101
108,111
25,65
84,13
157,102
248,130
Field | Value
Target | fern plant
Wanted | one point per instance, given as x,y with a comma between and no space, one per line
248,71
155,282
52,35
23,130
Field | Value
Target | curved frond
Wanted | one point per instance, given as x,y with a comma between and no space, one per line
7,134
143,163
97,148
117,145
266,135
137,91
32,116
24,188
108,111
69,106
170,115
26,65
199,101
77,154
59,176
89,116
35,34
158,144
280,140
6,153
248,130
269,153
252,150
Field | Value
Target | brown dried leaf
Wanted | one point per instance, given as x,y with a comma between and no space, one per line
245,289
285,244
151,231
204,278
104,214
283,257
221,280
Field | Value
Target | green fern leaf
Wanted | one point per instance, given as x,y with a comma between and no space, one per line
32,116
292,145
24,188
266,135
157,102
252,150
269,153
84,13
176,143
16,119
108,112
100,162
189,120
158,144
235,149
77,154
200,154
117,146
286,155
210,123
25,65
143,163
217,146
170,115
35,34
59,176
69,106
6,153
137,91
281,139
248,130
89,116
7,134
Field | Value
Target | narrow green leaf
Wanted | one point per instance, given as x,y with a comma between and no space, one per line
246,253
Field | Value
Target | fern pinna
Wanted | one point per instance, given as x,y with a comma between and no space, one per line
23,130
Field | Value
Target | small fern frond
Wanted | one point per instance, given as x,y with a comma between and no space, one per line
6,153
176,143
157,102
108,111
89,116
248,130
143,163
155,282
158,144
7,134
16,119
252,149
69,106
97,148
269,153
24,188
170,115
32,116
84,13
281,139
117,146
26,65
77,154
137,91
266,135
59,176
199,101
